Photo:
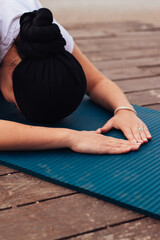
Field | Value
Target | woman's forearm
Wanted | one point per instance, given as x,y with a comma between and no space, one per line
107,94
16,136
100,89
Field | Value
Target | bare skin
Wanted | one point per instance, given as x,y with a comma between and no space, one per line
16,136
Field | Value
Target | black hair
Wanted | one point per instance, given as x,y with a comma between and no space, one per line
49,83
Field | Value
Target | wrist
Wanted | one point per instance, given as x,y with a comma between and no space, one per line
68,138
55,138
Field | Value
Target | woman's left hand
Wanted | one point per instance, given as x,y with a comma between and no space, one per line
127,121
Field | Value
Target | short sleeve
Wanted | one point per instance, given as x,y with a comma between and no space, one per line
10,13
69,39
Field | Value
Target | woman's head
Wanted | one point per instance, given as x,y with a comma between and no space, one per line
49,82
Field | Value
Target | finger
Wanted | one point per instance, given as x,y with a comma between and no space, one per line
137,135
98,130
143,135
120,141
148,135
111,150
115,142
134,146
119,150
107,127
128,134
115,146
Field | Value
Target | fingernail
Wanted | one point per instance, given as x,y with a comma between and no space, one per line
98,130
140,141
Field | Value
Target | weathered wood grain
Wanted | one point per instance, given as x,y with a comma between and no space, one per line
112,27
6,170
144,98
115,44
154,69
87,35
130,73
144,229
120,54
154,106
125,63
59,218
20,188
137,85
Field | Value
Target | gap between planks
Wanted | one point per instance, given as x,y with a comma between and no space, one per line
81,211
38,201
141,229
101,228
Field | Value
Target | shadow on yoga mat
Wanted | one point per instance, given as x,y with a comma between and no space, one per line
130,180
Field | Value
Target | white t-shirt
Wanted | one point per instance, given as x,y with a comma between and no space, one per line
10,13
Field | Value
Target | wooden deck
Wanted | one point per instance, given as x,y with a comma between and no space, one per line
30,208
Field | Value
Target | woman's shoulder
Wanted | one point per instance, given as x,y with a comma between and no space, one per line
10,13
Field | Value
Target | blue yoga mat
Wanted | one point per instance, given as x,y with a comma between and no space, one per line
130,180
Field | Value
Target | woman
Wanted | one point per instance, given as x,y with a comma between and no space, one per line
46,76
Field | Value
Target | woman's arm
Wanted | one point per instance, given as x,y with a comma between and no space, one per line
15,136
100,89
106,93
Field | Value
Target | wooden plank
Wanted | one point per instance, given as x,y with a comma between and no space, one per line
139,84
115,44
129,73
154,69
128,26
20,188
144,229
154,106
125,63
144,98
61,217
117,55
85,34
6,170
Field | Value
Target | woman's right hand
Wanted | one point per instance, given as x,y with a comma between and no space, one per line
93,142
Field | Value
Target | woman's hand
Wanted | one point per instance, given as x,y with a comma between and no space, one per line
93,142
133,128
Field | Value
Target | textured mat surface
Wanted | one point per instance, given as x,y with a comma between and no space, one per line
130,180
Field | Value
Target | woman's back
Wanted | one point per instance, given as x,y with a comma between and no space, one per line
10,13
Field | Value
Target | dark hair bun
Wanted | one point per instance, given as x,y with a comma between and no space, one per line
39,37
43,17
